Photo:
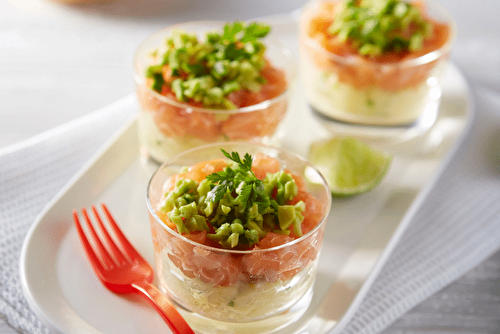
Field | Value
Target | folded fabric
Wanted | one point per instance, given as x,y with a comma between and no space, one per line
457,227
31,174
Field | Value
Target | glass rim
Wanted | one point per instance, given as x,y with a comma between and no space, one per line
291,73
353,59
320,224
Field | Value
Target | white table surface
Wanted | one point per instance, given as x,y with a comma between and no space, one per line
59,62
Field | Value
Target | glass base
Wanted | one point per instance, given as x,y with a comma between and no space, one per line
381,133
274,324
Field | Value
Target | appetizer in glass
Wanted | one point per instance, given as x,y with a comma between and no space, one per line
204,82
237,230
374,62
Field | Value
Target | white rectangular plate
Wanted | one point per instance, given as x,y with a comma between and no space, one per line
361,232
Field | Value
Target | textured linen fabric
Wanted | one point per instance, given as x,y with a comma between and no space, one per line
471,304
457,227
31,174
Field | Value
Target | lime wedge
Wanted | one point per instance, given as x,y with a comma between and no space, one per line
349,166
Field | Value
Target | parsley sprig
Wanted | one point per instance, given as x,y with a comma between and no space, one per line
241,180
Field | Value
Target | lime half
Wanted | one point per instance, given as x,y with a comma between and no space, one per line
349,166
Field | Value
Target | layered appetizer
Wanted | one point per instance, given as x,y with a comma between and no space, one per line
374,62
204,82
237,234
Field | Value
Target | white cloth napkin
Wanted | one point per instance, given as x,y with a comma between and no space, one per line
457,227
31,174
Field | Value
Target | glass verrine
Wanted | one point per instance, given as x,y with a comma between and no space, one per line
246,291
167,126
381,92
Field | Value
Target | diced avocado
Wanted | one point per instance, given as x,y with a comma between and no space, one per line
235,207
230,61
378,26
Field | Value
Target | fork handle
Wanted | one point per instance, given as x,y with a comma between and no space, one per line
164,307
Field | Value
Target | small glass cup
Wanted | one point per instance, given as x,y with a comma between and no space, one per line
365,96
244,291
167,127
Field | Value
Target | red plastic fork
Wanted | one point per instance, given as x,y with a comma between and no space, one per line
122,269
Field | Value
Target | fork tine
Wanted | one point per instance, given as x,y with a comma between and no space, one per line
94,260
127,247
114,250
99,249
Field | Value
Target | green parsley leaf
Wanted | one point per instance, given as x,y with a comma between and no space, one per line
246,164
219,190
254,31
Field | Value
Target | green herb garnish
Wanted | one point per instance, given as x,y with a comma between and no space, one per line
241,180
207,71
378,26
236,207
